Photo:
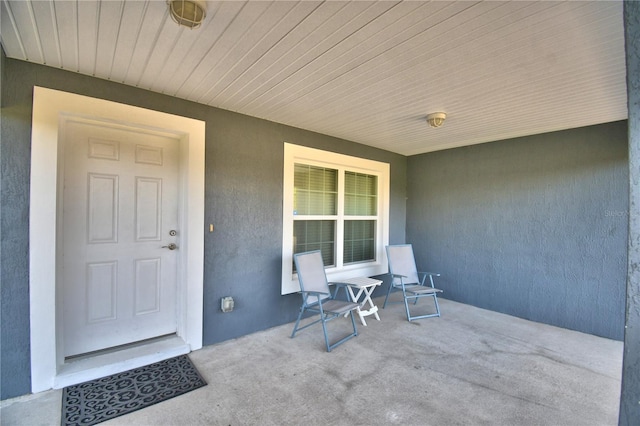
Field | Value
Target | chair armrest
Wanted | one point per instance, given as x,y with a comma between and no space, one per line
398,276
315,293
396,283
430,275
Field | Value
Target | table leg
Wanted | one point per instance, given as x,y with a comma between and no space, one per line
355,299
367,299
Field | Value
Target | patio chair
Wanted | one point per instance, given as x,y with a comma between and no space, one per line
406,278
317,298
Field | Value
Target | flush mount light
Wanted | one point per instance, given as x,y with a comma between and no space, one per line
189,13
436,119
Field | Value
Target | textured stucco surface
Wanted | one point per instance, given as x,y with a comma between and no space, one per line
534,227
244,202
14,252
630,395
243,199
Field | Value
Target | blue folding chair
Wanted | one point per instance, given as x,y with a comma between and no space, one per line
406,278
317,298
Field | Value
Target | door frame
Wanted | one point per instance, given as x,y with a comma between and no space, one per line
50,109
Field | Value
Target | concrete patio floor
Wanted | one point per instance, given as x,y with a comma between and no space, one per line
469,367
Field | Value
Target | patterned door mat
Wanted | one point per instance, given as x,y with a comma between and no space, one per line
102,399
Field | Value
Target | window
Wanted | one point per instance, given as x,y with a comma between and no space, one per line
339,205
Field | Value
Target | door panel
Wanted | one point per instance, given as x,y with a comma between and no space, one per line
148,209
102,208
101,291
120,200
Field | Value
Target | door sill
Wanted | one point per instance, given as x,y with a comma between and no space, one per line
97,365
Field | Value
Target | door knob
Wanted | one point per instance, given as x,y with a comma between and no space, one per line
171,246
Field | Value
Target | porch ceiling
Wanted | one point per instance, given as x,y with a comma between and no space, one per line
364,71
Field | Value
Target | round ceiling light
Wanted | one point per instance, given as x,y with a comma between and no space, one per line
189,13
436,119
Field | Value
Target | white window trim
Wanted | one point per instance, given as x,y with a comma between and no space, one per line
300,154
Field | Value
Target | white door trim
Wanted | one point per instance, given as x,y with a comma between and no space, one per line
49,109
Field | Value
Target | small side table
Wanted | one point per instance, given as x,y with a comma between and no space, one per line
365,287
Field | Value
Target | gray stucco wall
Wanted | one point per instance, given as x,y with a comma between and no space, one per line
14,243
534,227
630,392
243,184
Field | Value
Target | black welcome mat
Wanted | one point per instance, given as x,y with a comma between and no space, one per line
99,400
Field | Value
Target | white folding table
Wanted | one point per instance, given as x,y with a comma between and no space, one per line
364,287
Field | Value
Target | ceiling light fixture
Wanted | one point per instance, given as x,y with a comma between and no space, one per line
436,119
189,13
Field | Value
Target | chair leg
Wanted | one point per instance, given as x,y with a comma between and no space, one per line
324,318
435,299
345,338
324,329
353,323
295,327
388,293
406,305
437,306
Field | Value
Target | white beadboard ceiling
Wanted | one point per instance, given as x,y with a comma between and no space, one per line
364,71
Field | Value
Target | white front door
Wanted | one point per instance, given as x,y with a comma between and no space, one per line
120,202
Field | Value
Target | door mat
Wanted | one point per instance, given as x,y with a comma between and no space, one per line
102,399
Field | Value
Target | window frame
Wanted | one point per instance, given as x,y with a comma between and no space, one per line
315,157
